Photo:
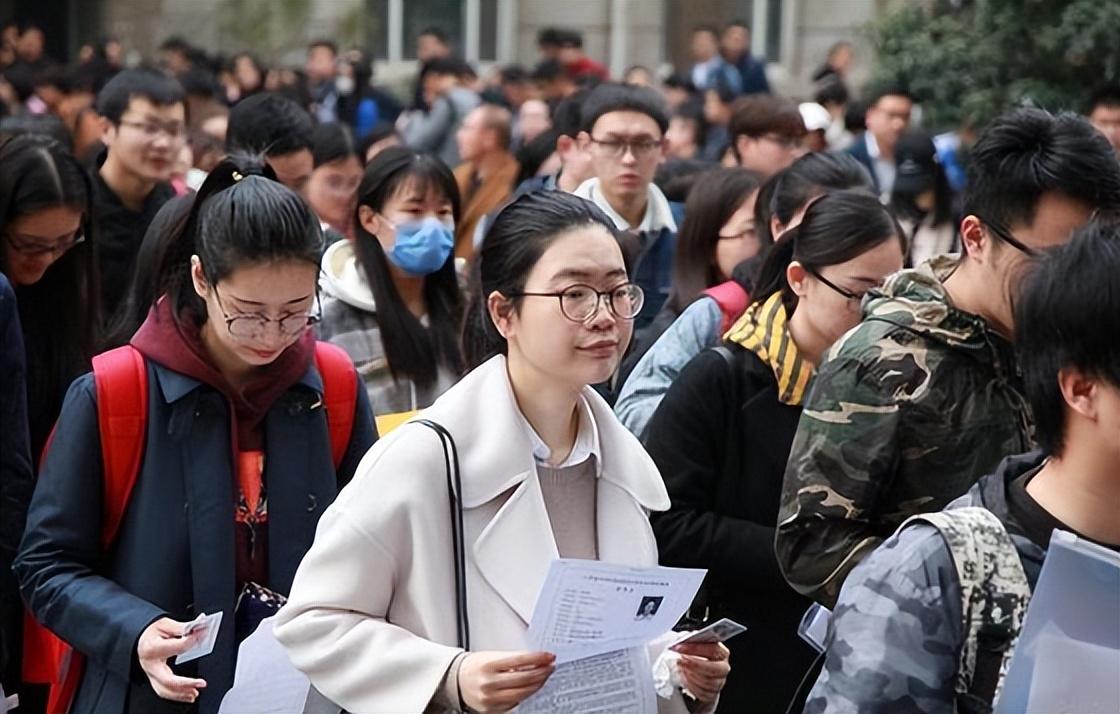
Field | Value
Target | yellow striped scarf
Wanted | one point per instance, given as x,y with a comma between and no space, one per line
763,330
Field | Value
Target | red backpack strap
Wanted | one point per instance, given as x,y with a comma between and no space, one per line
121,378
732,300
121,381
340,395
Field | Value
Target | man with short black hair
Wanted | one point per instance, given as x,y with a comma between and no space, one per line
922,398
322,69
766,133
902,630
578,64
575,161
488,172
710,67
888,115
736,47
277,127
624,134
432,43
554,81
143,124
1104,113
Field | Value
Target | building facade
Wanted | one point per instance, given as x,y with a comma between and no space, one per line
793,35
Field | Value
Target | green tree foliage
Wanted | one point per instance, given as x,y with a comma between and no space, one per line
968,60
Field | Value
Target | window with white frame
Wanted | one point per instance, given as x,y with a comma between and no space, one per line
479,30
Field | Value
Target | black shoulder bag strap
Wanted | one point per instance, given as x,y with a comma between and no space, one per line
454,494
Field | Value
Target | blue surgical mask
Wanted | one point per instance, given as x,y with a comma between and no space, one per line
421,247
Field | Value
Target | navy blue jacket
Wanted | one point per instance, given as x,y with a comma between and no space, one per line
653,271
16,477
174,554
859,152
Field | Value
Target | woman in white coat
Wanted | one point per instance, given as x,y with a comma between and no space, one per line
547,471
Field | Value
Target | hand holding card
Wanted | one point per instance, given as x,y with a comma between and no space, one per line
207,628
719,631
160,641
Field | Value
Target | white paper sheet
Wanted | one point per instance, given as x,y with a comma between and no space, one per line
266,682
1060,661
588,607
618,682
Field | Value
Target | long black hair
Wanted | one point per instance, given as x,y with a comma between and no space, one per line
60,314
520,234
411,349
714,198
837,227
808,177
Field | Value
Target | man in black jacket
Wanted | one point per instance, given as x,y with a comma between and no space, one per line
143,117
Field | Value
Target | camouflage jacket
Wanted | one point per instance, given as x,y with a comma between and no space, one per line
907,410
896,636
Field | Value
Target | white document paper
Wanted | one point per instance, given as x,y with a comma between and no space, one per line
209,625
618,682
266,681
1060,661
587,607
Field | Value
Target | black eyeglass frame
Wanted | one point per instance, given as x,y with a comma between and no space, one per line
264,321
638,298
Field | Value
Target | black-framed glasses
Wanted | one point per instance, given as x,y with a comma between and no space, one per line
836,288
580,303
152,129
617,148
1005,235
255,325
25,245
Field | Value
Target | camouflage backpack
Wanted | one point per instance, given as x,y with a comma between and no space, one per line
994,597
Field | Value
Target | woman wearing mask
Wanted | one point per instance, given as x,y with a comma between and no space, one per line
722,435
332,189
781,202
546,471
237,463
392,295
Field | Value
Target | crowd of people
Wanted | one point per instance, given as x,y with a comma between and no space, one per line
261,325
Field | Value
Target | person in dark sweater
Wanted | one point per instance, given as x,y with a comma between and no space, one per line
143,116
722,434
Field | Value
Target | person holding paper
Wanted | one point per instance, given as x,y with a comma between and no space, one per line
898,637
546,472
235,467
722,435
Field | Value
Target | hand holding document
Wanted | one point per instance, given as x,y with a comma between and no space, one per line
597,619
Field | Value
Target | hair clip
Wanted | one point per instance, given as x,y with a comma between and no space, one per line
237,176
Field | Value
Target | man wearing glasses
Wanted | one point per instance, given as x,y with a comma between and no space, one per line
142,126
624,134
923,397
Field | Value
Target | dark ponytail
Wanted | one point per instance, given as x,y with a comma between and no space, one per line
837,227
810,176
519,236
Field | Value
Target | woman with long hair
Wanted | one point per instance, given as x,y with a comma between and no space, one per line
392,296
721,436
235,457
332,189
545,471
779,205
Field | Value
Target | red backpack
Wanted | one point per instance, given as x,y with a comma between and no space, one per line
732,300
121,380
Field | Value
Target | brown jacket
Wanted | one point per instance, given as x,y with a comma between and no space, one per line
486,196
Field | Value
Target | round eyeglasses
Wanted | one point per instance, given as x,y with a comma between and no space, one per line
255,326
580,303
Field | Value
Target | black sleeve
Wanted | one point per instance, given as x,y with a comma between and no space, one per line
16,476
687,438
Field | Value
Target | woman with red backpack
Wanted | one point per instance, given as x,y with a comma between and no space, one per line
187,474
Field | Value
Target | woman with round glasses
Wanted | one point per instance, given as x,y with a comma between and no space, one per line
237,462
546,471
722,434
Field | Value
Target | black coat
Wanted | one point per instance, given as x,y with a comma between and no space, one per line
16,478
119,234
174,554
721,440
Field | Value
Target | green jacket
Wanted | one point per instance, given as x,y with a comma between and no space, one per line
908,410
